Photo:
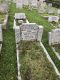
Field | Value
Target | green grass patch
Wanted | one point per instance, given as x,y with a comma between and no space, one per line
8,65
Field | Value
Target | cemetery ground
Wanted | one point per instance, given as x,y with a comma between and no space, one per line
8,68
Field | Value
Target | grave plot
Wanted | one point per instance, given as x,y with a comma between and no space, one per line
35,17
3,15
19,18
54,41
32,60
55,21
32,4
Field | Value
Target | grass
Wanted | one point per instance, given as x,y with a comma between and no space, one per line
8,68
57,48
34,64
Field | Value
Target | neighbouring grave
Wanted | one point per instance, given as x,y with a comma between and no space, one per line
19,3
53,19
19,18
42,7
3,7
54,37
32,4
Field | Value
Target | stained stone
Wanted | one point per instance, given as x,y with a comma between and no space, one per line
20,16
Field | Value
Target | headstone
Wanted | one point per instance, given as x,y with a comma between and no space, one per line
26,2
32,4
54,37
50,5
53,18
41,6
19,3
20,16
51,10
31,31
28,32
3,8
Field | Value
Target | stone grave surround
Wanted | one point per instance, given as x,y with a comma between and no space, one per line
19,3
20,16
53,18
54,37
28,32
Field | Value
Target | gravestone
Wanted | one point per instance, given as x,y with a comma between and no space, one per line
26,2
31,31
32,4
20,16
50,5
3,8
53,18
19,3
54,37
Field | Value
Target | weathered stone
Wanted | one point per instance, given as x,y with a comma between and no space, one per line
31,31
20,16
53,18
19,3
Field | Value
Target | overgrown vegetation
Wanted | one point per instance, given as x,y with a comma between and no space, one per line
34,64
57,48
8,68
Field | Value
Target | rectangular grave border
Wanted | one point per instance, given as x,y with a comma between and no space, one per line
47,55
